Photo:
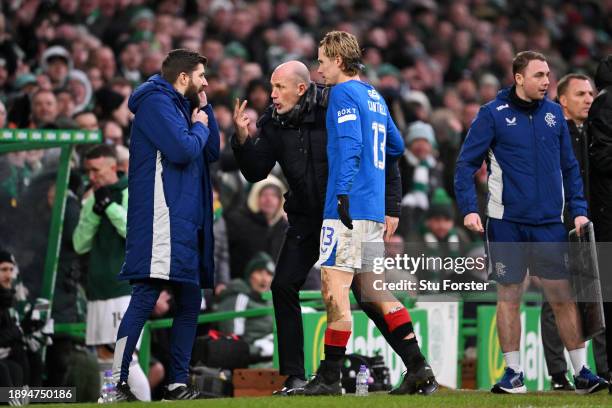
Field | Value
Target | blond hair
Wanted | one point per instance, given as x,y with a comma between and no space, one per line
344,45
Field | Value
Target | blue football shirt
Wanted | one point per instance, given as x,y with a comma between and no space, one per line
360,135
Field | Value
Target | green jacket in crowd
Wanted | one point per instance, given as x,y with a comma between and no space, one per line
104,238
238,296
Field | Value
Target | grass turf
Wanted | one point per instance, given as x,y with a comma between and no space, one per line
443,398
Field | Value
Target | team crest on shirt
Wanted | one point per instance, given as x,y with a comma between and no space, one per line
373,94
500,269
550,119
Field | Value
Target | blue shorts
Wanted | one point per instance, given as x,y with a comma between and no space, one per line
513,249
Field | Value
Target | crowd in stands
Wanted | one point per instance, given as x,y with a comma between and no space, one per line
72,64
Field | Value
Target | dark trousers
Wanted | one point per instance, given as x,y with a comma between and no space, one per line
603,235
11,373
608,334
299,253
553,346
188,300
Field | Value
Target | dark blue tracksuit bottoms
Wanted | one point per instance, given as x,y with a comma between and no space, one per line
188,299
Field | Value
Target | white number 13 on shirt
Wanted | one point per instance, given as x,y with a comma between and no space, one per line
379,147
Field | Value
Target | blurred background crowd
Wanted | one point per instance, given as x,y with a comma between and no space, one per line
72,64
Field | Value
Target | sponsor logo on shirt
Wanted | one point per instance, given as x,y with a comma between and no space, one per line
344,115
502,107
511,122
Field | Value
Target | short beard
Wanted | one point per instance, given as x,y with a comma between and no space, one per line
191,93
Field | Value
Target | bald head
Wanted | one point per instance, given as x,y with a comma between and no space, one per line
289,82
294,70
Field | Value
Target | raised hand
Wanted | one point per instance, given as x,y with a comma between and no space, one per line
241,121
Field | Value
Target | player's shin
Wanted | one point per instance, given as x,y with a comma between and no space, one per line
399,324
335,289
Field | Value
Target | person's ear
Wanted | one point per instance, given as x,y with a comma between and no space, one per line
519,79
183,79
302,89
338,61
563,100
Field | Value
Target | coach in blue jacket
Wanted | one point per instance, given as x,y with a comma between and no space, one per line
169,225
533,176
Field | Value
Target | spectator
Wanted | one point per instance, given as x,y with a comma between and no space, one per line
421,174
56,62
130,59
442,238
104,59
418,105
16,172
123,159
222,271
23,332
30,244
45,110
151,63
3,115
246,293
80,87
112,133
94,74
86,120
488,86
13,366
113,105
65,104
260,226
249,72
258,94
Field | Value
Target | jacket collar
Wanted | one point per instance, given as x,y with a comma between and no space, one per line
504,96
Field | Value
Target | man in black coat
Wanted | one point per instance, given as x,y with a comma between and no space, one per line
292,132
575,93
600,155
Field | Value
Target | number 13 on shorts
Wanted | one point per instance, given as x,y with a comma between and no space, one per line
327,244
327,239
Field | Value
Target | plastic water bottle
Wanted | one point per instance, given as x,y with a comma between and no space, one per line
361,382
109,393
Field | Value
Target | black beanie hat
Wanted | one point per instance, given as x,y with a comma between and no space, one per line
6,256
261,260
107,101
